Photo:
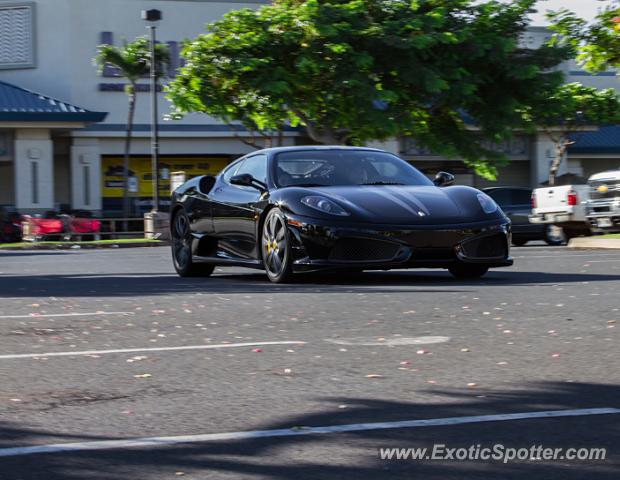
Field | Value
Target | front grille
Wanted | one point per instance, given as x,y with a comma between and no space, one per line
491,246
363,250
420,254
601,209
604,189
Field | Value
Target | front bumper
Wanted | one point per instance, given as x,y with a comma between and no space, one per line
604,215
319,245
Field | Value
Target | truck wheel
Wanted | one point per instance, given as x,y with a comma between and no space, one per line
554,235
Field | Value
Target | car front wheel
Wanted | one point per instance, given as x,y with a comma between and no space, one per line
275,247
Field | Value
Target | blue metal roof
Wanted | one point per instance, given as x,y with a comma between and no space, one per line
21,105
604,140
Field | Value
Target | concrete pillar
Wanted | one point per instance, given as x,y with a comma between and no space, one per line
86,174
34,170
543,152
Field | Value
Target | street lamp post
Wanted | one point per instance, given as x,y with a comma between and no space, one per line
152,16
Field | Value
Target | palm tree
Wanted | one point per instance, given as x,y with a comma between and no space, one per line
132,61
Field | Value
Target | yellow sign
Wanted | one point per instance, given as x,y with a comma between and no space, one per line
140,178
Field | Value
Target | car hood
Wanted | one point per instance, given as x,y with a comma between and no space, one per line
396,204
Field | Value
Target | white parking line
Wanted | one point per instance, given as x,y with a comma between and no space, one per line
150,349
569,255
293,432
73,314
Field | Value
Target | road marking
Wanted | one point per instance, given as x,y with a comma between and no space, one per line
293,432
388,342
75,314
151,349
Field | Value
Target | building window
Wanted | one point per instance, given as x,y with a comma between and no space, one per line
34,175
6,143
86,181
17,38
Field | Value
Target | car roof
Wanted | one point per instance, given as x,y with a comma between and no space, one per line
299,148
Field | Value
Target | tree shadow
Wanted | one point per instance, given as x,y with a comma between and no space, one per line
355,455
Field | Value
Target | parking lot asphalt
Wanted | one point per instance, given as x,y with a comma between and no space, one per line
111,346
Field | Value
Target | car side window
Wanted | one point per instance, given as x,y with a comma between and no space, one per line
232,170
521,197
255,166
501,197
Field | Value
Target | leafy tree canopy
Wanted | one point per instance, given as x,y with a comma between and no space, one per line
597,43
353,71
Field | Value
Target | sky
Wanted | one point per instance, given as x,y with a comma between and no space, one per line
584,8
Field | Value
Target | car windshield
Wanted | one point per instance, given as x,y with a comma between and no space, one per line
312,168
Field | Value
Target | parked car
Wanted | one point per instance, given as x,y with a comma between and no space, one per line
54,226
516,202
603,208
564,206
10,226
295,209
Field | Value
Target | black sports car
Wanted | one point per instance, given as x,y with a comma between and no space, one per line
296,209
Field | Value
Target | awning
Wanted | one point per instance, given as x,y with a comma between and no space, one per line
605,140
20,105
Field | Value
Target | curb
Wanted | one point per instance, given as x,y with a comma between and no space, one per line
594,242
85,246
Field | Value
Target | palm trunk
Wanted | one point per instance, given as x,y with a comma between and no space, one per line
128,132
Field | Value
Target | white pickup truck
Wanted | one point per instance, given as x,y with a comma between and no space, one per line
603,209
564,206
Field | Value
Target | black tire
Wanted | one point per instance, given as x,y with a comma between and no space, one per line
518,242
181,245
468,270
553,237
276,247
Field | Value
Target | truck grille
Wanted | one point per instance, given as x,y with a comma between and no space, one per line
604,189
363,250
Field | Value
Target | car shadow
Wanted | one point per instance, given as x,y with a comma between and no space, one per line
355,455
148,284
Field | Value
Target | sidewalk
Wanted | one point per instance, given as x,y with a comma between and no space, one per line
594,242
125,243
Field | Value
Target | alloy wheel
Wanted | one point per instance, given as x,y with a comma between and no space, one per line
274,245
181,240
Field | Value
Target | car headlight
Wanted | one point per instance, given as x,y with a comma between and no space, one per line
487,203
324,205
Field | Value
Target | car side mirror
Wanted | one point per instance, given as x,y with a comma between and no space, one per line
247,180
443,179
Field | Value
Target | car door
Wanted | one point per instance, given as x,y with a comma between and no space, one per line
236,209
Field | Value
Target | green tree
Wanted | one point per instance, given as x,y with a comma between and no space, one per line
352,71
132,61
597,44
571,109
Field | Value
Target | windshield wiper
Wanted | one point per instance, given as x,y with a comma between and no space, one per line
382,183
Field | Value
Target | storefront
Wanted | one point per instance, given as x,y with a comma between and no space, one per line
140,179
41,168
